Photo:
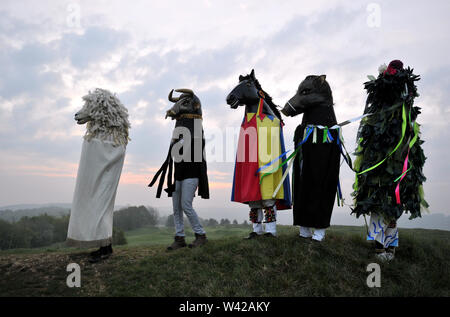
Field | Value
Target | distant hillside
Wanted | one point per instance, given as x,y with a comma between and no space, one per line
34,206
229,266
15,215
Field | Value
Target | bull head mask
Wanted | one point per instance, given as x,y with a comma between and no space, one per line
186,103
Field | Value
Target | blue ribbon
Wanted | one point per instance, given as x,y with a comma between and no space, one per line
308,133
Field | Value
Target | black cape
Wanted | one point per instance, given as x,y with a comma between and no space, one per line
183,169
315,177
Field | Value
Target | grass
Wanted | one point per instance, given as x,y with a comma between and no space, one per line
229,266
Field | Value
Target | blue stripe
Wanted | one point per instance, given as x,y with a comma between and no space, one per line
284,153
286,184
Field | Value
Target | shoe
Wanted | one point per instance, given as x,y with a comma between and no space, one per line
269,235
200,239
101,254
107,251
305,239
319,235
389,256
96,253
178,243
382,256
390,253
252,235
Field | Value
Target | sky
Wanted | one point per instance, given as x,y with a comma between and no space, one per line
53,52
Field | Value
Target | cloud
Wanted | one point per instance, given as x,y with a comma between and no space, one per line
142,51
95,45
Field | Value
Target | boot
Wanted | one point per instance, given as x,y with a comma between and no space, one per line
177,244
100,254
252,235
380,252
390,253
200,239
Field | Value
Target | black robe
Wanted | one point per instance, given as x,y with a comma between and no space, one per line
315,173
183,169
192,169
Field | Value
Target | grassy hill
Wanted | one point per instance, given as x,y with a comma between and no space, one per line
229,266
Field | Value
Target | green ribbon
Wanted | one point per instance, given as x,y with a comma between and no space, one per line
416,134
395,181
404,124
325,135
280,165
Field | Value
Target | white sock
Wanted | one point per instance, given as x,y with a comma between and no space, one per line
305,232
271,227
319,234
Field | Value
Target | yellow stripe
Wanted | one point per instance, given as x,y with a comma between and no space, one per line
269,148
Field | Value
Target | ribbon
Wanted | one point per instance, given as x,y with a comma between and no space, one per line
405,164
404,124
339,194
397,189
325,135
336,126
290,156
286,172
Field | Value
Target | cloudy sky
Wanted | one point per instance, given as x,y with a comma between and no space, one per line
53,52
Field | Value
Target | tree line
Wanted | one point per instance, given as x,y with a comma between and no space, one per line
44,230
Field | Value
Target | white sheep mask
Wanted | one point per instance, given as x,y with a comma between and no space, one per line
106,117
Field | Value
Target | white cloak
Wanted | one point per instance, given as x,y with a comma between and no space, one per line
91,216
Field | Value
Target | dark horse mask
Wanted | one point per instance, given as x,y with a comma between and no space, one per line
186,104
314,99
248,93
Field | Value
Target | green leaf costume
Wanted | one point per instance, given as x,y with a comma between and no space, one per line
389,158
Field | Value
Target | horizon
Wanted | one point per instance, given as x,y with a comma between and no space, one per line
436,221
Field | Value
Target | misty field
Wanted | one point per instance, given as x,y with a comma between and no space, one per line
229,266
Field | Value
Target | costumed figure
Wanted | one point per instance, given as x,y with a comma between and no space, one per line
256,181
102,158
186,152
316,162
390,158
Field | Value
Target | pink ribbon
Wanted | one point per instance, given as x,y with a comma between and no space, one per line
397,189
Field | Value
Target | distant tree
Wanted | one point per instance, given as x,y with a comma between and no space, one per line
6,235
170,223
40,230
224,222
235,222
154,215
119,237
211,222
60,226
245,223
135,217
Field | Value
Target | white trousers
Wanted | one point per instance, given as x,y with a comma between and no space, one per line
315,234
381,232
270,227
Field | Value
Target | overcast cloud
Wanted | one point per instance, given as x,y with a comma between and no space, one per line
53,52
